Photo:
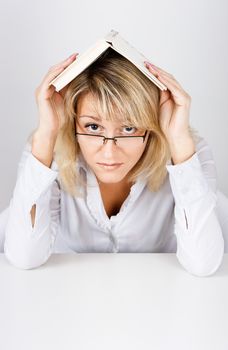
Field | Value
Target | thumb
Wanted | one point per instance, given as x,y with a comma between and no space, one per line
164,96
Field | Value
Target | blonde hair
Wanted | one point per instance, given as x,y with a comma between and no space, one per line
121,92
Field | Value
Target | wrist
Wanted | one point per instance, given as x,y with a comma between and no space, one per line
45,135
181,150
43,144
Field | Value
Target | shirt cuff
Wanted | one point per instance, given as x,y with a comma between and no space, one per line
35,179
187,181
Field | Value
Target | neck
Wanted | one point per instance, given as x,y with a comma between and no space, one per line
123,184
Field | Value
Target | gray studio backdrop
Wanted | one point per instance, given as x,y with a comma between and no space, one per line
186,38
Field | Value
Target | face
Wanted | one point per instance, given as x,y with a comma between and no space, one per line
109,153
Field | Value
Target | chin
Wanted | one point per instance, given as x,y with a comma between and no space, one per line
110,178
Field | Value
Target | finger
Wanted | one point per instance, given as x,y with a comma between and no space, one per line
181,96
160,74
51,75
57,69
170,78
173,81
154,69
65,62
175,89
157,68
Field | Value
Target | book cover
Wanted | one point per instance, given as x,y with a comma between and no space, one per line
114,41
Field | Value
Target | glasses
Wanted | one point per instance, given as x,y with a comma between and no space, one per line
121,141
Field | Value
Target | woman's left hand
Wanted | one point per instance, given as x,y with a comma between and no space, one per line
174,113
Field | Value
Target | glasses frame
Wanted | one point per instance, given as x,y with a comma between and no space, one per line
109,138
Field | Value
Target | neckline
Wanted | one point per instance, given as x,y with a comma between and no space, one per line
96,205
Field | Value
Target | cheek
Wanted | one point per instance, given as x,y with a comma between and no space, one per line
85,150
135,155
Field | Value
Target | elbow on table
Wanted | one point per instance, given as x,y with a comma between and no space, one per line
203,268
25,261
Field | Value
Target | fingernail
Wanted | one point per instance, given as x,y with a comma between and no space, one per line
73,54
150,65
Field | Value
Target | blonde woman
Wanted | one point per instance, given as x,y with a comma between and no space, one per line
114,166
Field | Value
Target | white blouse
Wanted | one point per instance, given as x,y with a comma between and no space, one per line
179,218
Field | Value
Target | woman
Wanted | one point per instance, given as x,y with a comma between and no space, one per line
114,166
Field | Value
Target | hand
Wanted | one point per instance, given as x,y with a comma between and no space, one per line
50,102
174,106
174,110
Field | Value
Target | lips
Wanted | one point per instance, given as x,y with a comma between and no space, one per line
111,164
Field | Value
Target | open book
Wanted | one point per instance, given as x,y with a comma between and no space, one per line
111,40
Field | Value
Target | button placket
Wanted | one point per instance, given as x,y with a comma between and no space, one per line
114,242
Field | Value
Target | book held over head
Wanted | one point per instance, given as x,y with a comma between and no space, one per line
114,41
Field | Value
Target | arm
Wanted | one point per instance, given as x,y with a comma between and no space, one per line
29,241
200,244
34,208
43,154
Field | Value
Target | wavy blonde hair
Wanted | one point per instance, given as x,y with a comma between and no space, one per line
120,89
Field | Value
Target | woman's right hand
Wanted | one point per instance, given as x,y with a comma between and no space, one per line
49,102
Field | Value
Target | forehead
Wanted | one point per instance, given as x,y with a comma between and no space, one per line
86,103
88,106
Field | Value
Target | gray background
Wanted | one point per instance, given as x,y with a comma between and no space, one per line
186,38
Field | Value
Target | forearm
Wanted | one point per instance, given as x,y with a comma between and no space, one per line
43,146
25,246
28,245
181,150
199,237
200,245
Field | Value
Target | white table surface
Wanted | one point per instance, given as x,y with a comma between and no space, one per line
112,301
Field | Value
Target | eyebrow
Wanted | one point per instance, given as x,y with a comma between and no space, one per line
92,117
89,116
95,118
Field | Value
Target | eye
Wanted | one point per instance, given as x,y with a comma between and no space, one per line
93,127
129,129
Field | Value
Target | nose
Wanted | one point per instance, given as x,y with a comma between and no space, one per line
108,148
106,139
